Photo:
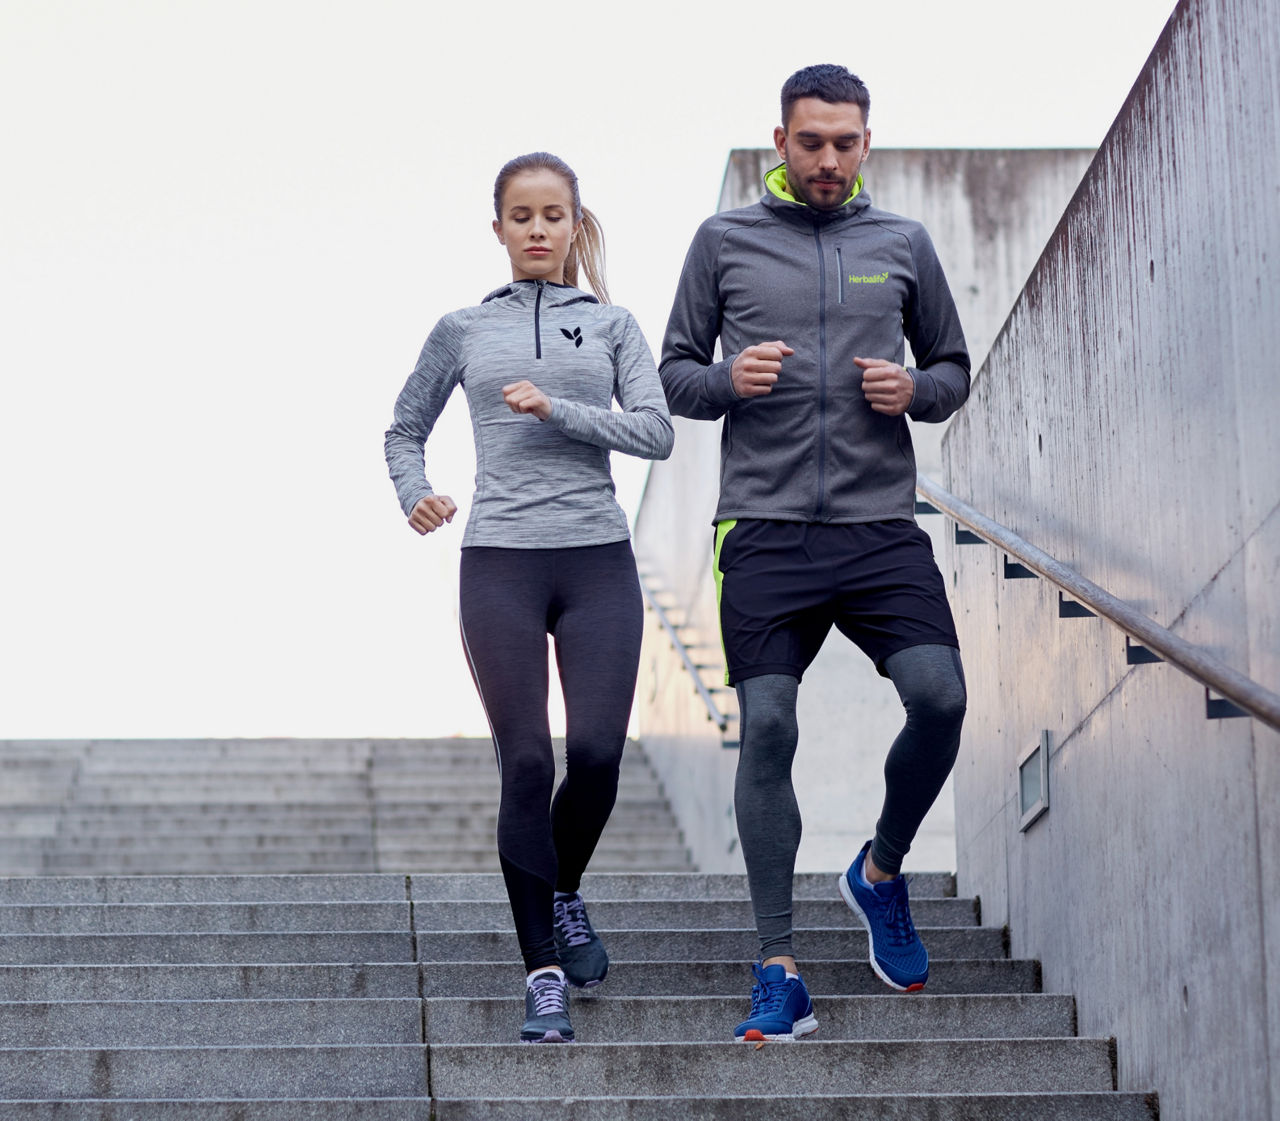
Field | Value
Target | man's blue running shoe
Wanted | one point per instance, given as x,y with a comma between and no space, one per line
896,954
780,1008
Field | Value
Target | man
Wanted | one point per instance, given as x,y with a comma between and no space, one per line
810,292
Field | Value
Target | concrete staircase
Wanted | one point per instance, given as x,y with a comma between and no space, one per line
376,995
150,807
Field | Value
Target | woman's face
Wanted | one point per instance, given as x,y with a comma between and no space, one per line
537,225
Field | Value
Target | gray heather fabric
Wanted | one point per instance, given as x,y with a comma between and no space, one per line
832,285
539,484
930,683
764,802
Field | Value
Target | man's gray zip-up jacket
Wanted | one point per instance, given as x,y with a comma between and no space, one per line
832,285
539,484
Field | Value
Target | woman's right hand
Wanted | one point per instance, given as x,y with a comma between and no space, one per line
432,512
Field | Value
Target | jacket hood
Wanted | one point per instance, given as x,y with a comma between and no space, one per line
782,201
523,293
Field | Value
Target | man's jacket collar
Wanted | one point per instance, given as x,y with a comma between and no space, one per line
781,201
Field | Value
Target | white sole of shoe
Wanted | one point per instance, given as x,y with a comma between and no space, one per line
806,1026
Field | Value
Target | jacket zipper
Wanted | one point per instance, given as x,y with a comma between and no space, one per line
822,370
839,278
537,324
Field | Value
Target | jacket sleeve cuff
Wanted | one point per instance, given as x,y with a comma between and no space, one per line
925,396
719,382
414,497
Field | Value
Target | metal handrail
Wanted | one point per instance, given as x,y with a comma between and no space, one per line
713,712
1255,699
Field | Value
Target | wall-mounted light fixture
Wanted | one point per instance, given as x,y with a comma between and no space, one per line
1033,782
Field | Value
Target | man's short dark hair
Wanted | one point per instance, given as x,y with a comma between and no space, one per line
827,82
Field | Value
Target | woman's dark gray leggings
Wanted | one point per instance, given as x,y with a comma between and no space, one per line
930,682
588,598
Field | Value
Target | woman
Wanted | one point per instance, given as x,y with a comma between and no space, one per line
546,549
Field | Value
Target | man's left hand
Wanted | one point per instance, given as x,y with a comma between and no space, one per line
887,386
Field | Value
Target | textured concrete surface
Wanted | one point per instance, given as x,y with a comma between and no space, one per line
81,1032
210,1023
863,1107
317,992
246,949
662,915
115,918
279,806
232,1072
699,945
293,1109
1126,423
199,981
734,978
654,1019
912,1066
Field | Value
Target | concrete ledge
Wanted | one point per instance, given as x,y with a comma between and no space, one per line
224,1072
198,948
209,982
725,944
696,913
210,1023
862,1107
905,1066
655,1019
291,1109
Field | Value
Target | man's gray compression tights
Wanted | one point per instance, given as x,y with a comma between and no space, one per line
930,683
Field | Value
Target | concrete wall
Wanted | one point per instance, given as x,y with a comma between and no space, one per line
1126,422
990,213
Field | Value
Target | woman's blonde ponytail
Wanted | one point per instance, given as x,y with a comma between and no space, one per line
587,254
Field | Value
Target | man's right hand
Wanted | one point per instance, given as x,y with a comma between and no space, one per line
757,367
432,512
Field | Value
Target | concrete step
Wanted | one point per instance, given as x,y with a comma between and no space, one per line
224,1023
248,861
208,839
733,977
863,1107
256,1109
438,887
621,857
125,790
810,1067
198,981
709,945
358,887
698,914
304,981
210,1023
389,1070
1065,1106
602,887
610,1018
199,948
152,918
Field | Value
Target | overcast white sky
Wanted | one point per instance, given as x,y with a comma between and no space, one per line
225,230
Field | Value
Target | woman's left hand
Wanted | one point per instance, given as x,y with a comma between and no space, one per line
525,397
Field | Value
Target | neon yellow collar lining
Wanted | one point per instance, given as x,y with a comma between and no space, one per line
776,181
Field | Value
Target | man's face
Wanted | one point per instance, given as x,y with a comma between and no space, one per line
823,145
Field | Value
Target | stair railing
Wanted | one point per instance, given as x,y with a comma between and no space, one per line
678,644
1239,695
